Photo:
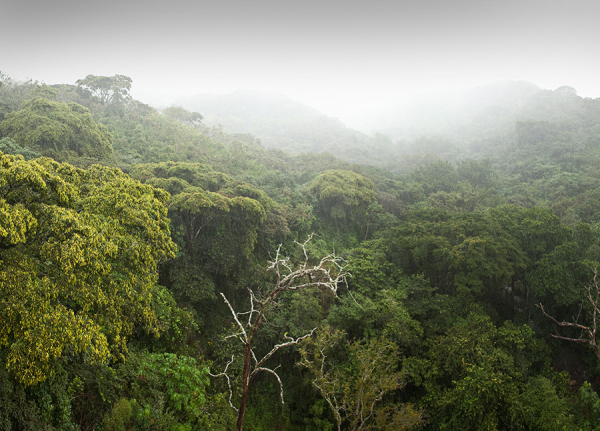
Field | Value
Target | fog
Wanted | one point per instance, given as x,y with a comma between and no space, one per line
348,59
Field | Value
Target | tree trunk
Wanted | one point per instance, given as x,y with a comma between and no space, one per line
245,385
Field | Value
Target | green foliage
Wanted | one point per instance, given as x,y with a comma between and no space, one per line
45,125
559,275
590,402
183,382
438,176
46,406
120,417
166,392
463,253
78,258
353,378
13,94
219,218
176,326
343,194
183,115
106,89
381,316
8,146
81,252
191,174
537,229
477,376
545,406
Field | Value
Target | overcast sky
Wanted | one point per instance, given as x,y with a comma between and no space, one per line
338,56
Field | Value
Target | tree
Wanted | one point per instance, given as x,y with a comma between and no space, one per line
326,275
478,376
45,125
460,253
183,115
343,198
342,194
78,259
531,133
13,94
354,387
106,89
219,218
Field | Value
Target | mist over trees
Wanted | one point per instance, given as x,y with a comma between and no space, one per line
159,271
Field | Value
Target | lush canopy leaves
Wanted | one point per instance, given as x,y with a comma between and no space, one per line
78,257
45,125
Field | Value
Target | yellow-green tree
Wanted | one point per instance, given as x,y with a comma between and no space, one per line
78,258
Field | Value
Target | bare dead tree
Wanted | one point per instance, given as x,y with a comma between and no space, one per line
327,275
588,333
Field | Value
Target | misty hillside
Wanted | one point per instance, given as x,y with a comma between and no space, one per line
277,120
478,123
481,112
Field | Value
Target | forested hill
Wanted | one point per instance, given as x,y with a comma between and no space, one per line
478,123
277,120
160,273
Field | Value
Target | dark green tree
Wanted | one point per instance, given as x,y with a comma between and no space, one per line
481,377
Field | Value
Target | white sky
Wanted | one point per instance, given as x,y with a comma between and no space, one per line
342,57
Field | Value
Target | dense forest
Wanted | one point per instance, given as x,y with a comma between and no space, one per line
158,273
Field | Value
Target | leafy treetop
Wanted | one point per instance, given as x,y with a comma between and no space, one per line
78,258
47,125
107,89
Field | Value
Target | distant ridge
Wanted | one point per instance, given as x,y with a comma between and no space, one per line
477,123
277,120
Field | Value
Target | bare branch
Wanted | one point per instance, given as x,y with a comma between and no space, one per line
279,346
233,335
577,340
224,374
277,377
564,324
235,316
328,274
594,314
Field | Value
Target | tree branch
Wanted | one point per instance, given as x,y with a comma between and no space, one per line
235,316
224,374
592,329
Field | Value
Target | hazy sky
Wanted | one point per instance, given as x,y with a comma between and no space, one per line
338,56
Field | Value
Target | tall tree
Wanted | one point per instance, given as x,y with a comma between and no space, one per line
106,89
183,115
343,196
326,275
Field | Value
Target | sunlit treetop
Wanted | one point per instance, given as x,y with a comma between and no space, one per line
78,256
